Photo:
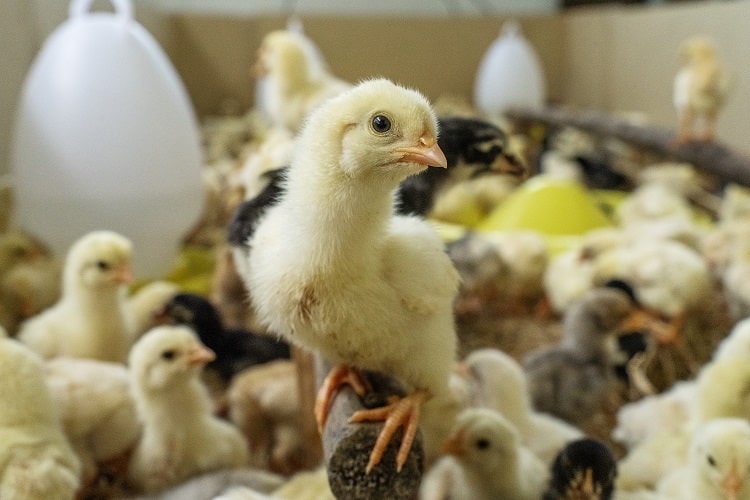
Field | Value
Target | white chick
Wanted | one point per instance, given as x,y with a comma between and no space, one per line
700,89
497,381
91,319
639,420
718,464
526,254
485,459
97,411
181,437
666,276
719,391
570,274
331,268
264,404
146,305
296,78
36,460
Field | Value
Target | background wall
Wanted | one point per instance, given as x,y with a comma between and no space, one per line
611,58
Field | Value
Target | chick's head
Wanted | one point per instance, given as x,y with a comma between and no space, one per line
483,437
100,259
167,355
720,452
383,131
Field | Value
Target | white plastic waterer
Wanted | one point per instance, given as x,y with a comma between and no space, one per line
106,138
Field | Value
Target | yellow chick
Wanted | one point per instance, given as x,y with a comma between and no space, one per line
700,89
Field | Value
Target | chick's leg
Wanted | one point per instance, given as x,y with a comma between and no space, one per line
400,412
340,375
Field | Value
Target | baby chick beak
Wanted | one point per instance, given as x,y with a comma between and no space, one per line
454,445
123,275
506,164
462,371
587,487
732,483
200,355
426,152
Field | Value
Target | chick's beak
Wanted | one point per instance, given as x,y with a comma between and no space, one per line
200,355
123,275
732,483
454,445
587,487
426,152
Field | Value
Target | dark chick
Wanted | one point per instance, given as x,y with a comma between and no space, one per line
584,470
235,349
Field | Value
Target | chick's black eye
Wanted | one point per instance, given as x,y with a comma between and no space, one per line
381,124
168,355
102,265
711,461
483,444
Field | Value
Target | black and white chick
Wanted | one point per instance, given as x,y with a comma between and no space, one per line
584,470
235,349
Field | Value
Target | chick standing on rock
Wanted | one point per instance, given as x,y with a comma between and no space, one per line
584,470
575,378
91,318
181,437
333,269
36,460
235,349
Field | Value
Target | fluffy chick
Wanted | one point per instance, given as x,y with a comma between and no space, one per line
484,459
28,289
235,349
36,460
264,404
91,319
97,411
718,463
575,378
497,381
180,437
700,89
296,78
584,470
331,267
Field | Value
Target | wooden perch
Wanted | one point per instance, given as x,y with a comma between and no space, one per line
347,446
709,156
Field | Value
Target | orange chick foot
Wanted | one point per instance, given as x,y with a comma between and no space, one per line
340,375
400,412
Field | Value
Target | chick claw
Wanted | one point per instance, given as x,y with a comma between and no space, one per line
401,411
338,376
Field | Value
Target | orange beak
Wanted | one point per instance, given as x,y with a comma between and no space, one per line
200,355
123,275
427,152
732,483
454,445
587,487
505,164
462,370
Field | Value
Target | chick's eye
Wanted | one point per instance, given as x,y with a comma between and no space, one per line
711,461
168,355
102,265
483,444
381,124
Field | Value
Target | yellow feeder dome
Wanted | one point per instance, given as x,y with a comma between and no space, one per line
553,207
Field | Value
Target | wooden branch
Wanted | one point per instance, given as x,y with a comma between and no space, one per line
347,446
709,156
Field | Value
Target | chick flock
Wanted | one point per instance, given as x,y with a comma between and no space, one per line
547,396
